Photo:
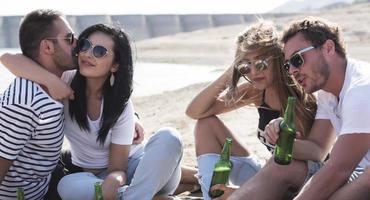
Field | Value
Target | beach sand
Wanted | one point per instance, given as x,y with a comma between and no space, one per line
215,47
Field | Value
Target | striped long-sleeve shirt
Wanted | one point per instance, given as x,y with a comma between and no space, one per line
31,126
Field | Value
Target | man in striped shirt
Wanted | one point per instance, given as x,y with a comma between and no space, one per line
31,122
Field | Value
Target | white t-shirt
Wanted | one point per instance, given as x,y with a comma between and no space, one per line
351,114
86,151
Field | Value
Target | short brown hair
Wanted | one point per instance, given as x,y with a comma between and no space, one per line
36,26
316,30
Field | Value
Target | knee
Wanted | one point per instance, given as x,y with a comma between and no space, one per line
170,138
77,186
293,174
204,124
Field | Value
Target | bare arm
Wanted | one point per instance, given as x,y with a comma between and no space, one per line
343,160
315,147
209,102
118,157
22,66
4,167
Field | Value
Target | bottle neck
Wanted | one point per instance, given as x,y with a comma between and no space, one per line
289,111
226,151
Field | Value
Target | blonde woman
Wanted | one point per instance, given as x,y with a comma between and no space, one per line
265,84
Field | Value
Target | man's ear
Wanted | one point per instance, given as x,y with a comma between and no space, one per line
46,47
114,67
329,47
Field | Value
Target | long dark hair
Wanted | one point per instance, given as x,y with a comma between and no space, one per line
116,96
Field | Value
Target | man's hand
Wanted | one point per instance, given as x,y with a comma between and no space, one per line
4,167
228,190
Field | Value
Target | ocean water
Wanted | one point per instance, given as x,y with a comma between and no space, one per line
149,78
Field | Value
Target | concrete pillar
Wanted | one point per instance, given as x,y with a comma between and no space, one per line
227,19
160,25
3,37
134,25
11,25
88,20
195,22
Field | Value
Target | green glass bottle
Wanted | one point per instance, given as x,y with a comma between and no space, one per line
222,169
98,191
284,147
20,194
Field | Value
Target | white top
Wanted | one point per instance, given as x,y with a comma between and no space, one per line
31,125
352,113
86,151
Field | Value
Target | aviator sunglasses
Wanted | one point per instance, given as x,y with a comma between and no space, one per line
98,51
70,38
245,67
296,59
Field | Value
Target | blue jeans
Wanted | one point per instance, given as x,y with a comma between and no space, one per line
153,170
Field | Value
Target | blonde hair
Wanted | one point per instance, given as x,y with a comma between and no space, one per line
262,37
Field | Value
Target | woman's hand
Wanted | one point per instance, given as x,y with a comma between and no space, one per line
228,190
111,184
139,132
58,89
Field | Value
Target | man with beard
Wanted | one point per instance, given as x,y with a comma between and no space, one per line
31,122
315,55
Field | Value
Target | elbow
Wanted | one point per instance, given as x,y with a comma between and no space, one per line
191,112
3,57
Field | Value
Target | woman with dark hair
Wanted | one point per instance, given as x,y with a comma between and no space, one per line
99,124
259,62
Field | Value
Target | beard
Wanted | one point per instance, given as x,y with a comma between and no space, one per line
321,72
63,59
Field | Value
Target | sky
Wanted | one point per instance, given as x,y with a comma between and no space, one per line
83,7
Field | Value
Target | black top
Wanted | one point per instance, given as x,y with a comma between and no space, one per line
266,114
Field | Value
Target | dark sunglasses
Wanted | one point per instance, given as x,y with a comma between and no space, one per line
98,51
70,38
296,59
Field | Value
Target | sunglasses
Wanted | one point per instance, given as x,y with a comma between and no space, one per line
296,59
70,38
98,51
245,67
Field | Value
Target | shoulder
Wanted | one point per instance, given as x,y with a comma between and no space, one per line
21,91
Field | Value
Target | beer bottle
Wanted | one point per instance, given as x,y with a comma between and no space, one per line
98,191
284,147
222,169
20,193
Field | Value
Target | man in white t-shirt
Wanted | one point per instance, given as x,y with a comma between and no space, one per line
315,55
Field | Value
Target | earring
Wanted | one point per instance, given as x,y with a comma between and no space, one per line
111,79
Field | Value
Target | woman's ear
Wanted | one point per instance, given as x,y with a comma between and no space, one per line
114,67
